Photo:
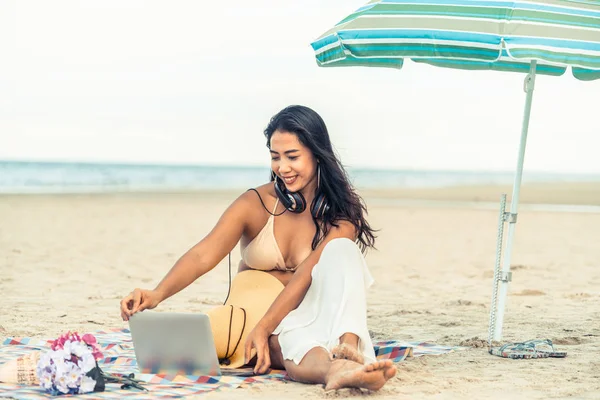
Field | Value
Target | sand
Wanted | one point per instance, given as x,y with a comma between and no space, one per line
66,261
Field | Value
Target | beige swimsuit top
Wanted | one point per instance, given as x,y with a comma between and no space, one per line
262,252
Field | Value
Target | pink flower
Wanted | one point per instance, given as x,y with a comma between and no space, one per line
67,336
74,337
59,343
91,341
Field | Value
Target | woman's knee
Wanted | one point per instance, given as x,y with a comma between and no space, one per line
341,255
341,244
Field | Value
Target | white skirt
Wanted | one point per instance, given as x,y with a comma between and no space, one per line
335,303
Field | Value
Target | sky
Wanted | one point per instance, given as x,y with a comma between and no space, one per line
196,82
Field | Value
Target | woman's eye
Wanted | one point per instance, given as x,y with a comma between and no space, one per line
274,158
293,158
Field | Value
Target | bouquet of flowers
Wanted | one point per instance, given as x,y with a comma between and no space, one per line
68,368
71,367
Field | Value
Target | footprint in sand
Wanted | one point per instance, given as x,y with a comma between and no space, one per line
206,301
518,267
576,296
569,340
530,292
465,303
474,342
405,312
451,323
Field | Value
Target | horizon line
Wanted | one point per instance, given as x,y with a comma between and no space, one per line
121,163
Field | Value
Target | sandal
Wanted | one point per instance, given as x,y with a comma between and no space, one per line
529,349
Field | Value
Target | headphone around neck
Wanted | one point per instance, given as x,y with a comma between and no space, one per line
295,201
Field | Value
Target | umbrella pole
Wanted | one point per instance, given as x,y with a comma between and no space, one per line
511,217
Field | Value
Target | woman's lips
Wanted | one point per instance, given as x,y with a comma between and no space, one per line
290,180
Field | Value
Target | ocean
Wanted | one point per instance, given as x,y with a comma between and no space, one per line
18,177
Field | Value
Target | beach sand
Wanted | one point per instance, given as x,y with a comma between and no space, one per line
67,260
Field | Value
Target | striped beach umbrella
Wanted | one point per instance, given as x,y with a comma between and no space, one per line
469,34
534,37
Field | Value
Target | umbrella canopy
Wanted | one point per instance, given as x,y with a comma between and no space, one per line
469,34
534,36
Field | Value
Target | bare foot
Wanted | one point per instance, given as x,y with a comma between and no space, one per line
348,374
345,351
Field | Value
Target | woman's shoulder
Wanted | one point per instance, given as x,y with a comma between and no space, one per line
254,196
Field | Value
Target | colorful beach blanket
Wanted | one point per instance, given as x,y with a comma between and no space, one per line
120,359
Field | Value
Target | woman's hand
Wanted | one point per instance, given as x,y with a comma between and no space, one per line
259,340
138,300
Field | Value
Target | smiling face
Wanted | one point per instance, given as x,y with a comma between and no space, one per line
294,163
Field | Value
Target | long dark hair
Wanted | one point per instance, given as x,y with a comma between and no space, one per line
344,203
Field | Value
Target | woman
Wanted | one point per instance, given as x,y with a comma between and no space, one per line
316,327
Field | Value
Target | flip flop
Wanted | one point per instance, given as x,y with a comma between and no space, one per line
527,350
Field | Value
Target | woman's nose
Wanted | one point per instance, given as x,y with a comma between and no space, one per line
284,167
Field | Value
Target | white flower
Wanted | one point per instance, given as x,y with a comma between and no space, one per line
87,362
58,357
60,381
74,375
60,366
67,347
87,385
44,359
46,380
79,349
44,364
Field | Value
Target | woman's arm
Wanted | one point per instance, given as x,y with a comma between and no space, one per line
197,261
290,298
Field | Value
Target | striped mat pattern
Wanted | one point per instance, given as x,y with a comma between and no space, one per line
469,34
120,359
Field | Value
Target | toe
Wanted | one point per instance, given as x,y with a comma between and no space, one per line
377,365
390,372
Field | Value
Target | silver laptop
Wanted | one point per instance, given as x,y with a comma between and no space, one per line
176,343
